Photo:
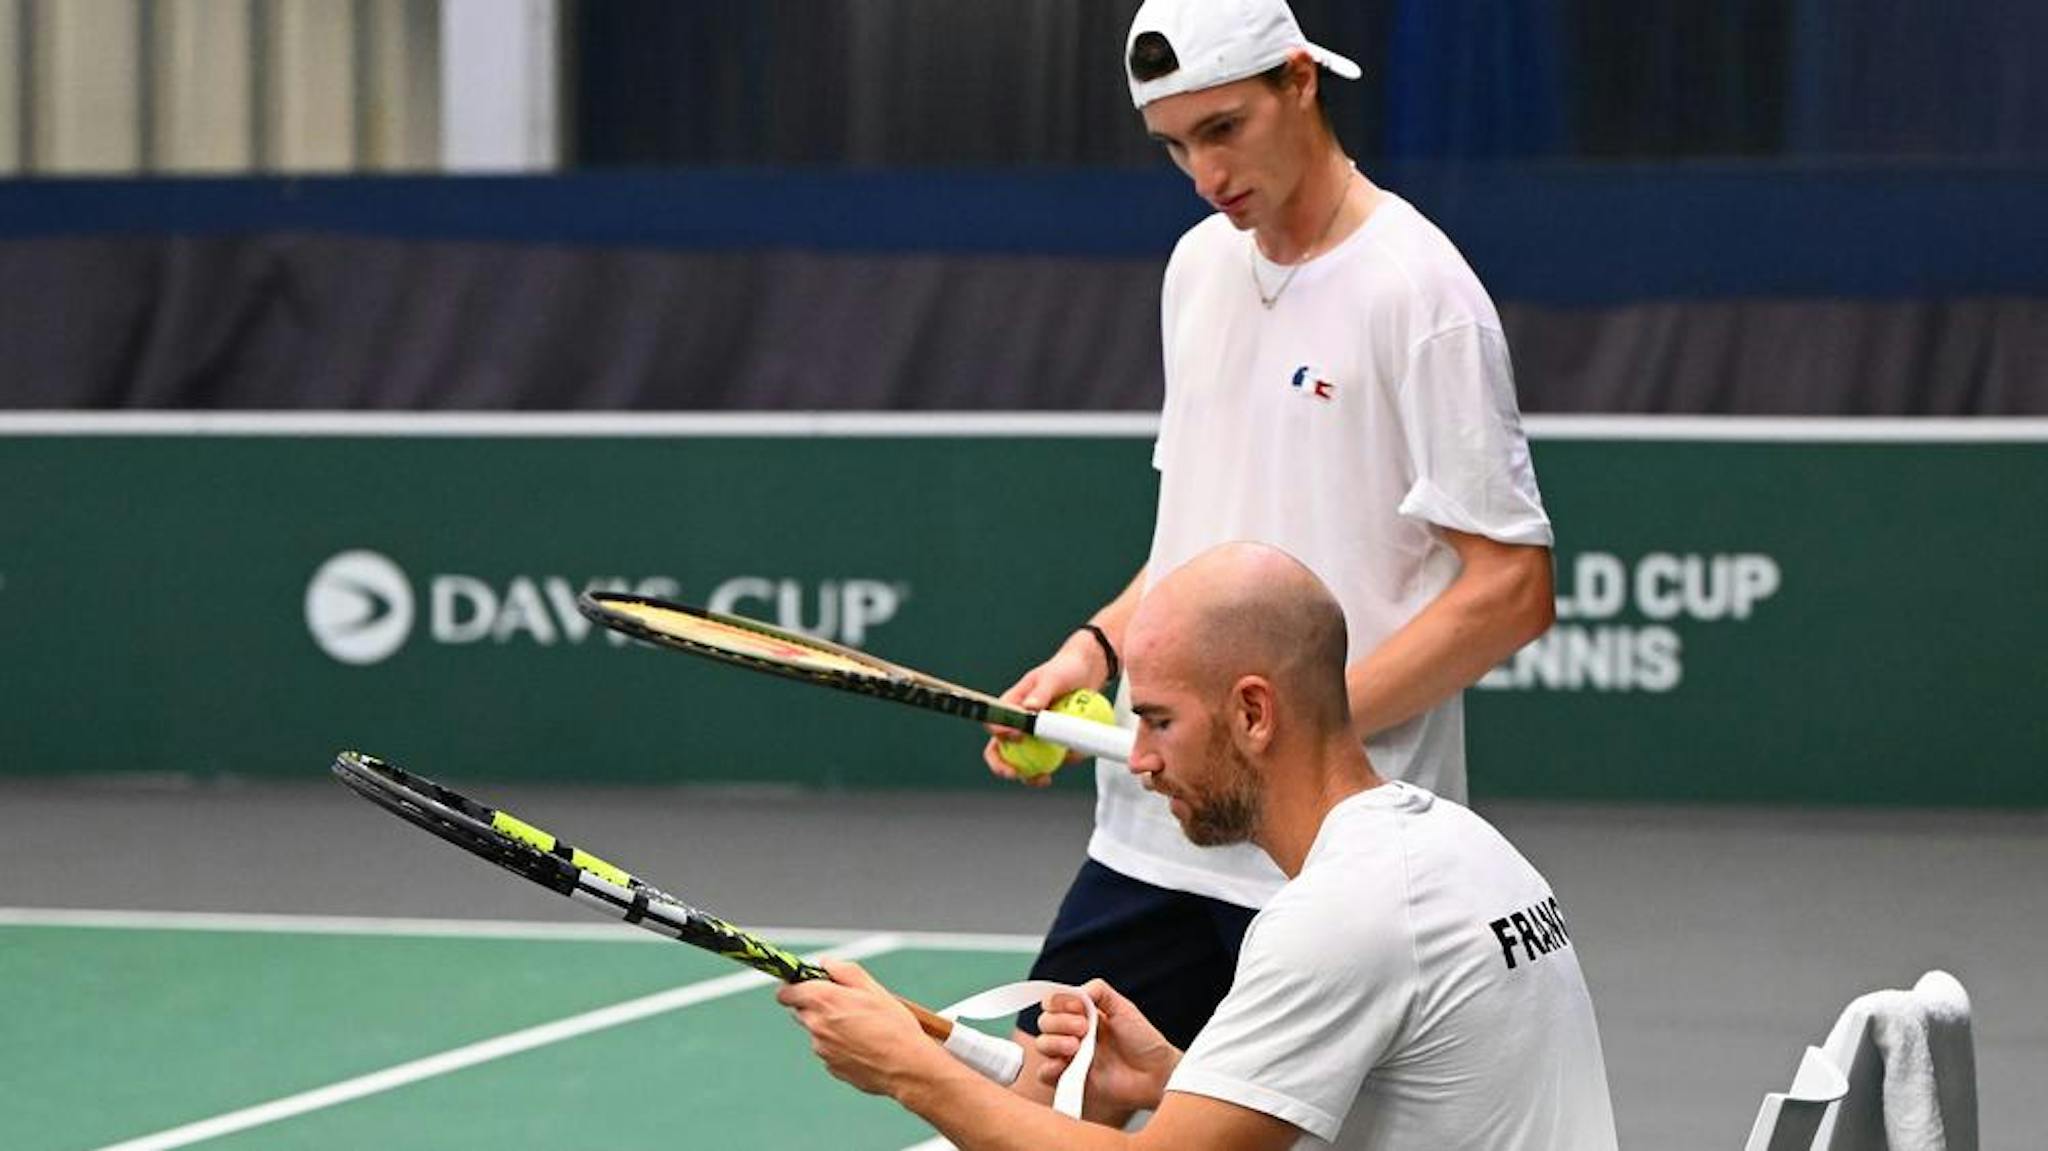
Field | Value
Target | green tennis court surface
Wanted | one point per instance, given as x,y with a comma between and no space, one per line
115,1034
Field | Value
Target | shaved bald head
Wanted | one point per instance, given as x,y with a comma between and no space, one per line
1247,609
1236,666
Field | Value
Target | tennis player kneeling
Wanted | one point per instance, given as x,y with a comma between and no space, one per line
1413,986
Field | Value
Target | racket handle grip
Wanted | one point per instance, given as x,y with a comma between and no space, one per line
1102,740
934,1024
996,1059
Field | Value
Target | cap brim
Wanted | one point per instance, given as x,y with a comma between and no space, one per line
1342,65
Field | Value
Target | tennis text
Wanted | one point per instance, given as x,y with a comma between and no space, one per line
1619,623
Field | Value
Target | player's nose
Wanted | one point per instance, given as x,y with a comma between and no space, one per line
1211,178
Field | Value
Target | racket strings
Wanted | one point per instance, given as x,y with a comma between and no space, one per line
520,847
753,644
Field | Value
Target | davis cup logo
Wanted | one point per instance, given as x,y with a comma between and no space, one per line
359,607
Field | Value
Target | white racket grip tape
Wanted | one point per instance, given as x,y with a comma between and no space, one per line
1009,999
1102,740
998,1059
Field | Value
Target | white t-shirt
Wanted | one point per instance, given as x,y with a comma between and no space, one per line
1373,402
1414,988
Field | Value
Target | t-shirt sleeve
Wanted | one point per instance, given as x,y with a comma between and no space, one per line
1464,435
1313,1008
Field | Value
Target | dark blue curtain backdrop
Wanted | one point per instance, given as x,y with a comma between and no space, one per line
1738,289
982,83
1898,77
1476,78
1652,79
1598,235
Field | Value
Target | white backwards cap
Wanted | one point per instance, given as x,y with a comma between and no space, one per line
1221,41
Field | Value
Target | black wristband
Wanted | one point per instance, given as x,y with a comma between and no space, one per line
1108,652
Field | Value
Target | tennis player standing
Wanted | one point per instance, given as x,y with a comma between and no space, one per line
1337,385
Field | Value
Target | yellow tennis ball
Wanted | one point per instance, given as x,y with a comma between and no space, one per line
1032,756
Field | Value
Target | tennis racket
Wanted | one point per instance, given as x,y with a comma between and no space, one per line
523,849
794,655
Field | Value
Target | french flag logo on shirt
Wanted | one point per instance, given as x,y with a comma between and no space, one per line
1308,382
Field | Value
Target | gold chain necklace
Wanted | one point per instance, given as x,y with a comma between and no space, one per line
1293,269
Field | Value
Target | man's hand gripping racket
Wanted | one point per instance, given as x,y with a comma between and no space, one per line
526,850
1048,685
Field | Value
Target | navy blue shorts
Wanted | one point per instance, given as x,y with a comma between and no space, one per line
1171,953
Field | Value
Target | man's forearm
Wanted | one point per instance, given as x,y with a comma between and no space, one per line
1112,618
1116,614
1488,613
977,1115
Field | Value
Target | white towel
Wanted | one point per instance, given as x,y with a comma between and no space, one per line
1938,1049
1929,1074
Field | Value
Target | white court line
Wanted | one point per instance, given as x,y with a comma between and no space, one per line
588,425
966,425
532,931
1791,429
459,1058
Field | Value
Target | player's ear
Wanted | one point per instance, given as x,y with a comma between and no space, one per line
1252,716
1302,79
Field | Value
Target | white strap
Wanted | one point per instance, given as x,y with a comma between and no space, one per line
1002,1060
